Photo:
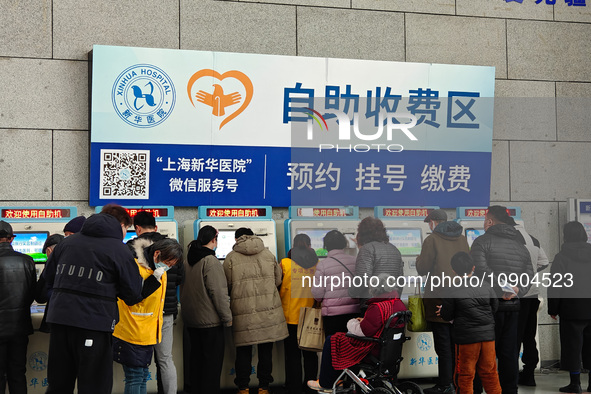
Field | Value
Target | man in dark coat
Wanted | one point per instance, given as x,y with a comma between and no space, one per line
500,255
87,272
17,290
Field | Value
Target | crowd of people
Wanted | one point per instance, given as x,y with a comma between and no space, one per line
107,301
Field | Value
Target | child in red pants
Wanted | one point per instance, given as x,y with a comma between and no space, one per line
472,308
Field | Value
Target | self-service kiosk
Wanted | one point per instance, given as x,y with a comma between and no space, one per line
579,210
472,220
317,221
164,216
228,219
32,226
407,229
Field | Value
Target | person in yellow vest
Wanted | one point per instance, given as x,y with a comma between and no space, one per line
301,261
140,325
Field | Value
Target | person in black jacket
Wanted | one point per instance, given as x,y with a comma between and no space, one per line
570,298
87,272
145,227
501,258
17,290
472,309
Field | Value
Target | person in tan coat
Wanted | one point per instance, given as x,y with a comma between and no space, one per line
437,250
253,277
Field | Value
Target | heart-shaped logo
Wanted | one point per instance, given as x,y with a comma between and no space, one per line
218,99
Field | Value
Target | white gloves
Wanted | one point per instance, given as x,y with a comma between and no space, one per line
158,272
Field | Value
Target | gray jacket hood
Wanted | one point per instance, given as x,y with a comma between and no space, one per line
449,229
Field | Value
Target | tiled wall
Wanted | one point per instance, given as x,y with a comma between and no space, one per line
541,52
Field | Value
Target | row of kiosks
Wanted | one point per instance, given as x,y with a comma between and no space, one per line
228,219
407,230
32,226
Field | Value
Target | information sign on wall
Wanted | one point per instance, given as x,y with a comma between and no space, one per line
190,128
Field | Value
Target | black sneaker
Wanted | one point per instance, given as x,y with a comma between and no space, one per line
571,388
526,378
440,389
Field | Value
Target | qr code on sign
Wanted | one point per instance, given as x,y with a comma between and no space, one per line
124,174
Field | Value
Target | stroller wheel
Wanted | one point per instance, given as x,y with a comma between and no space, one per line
409,388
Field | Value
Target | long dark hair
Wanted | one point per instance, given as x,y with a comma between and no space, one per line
206,235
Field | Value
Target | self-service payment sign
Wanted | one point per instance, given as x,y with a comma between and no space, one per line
193,128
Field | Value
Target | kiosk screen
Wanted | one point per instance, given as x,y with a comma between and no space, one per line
472,234
31,244
226,241
129,236
407,240
317,238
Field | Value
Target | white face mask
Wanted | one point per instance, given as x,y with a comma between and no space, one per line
162,265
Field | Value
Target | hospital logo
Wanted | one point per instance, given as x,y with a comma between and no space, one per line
424,342
38,361
143,96
225,96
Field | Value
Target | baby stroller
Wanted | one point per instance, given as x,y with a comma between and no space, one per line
380,374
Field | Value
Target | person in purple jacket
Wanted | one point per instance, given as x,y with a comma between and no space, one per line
332,280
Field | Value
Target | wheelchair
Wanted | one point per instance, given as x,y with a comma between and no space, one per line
379,375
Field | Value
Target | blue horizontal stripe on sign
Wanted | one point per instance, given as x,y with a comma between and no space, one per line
194,175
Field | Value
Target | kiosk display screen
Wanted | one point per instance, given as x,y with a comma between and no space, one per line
129,236
407,240
226,241
472,234
317,239
31,243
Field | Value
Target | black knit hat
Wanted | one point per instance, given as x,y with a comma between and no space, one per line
75,225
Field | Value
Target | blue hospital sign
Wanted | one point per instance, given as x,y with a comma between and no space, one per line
189,128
